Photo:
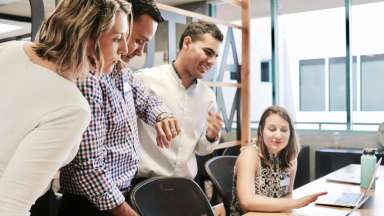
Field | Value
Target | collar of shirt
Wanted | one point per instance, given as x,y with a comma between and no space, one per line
115,73
178,79
117,78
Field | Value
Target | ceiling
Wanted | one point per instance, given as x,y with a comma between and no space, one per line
225,11
261,8
176,2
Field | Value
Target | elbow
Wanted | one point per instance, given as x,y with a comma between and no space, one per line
246,204
204,150
251,204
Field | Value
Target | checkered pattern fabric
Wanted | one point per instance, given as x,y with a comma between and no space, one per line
108,159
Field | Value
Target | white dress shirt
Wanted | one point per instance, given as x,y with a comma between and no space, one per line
190,107
42,118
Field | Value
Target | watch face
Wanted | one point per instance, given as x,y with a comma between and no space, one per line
162,116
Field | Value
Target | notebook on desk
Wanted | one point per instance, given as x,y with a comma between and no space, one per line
347,199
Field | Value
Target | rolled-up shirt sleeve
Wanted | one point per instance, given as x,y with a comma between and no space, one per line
148,105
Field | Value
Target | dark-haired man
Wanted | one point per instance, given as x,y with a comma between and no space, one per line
191,101
96,182
146,17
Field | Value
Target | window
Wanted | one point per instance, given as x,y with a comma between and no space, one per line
312,85
337,84
265,71
372,78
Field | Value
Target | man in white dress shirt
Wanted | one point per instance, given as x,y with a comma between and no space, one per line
191,101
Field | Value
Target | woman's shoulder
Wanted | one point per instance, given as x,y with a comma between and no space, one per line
249,149
249,152
248,160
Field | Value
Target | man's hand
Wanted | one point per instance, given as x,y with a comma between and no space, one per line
214,124
123,210
167,129
132,212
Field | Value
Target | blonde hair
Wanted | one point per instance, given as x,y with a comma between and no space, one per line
64,36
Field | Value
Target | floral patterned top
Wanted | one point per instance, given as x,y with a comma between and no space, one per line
270,181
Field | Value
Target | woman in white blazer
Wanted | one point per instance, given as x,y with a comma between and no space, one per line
42,113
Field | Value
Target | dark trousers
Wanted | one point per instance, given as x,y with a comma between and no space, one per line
46,205
76,205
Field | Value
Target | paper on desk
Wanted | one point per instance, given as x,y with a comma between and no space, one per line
3,2
4,28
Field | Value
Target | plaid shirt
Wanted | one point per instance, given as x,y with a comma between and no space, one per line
108,156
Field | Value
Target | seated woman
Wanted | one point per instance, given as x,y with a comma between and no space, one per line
265,172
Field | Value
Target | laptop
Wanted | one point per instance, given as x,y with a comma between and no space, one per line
344,176
349,200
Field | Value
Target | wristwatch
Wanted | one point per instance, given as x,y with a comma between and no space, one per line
163,116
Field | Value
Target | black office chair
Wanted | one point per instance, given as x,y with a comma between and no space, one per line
37,16
220,171
170,196
234,150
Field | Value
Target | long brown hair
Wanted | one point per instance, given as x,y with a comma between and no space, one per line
63,37
291,151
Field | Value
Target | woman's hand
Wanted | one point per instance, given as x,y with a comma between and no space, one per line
304,201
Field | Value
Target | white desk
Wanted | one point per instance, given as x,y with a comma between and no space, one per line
14,30
373,207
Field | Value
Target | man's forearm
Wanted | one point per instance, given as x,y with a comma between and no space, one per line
123,210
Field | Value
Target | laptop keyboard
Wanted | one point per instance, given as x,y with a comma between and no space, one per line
349,198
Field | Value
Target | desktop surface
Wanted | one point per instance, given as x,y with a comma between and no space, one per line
14,30
373,207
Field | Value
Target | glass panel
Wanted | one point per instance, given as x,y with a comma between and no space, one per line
309,33
260,51
161,37
366,127
265,70
372,88
337,85
307,126
334,127
312,85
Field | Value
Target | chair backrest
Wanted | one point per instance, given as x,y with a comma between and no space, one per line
37,16
220,171
170,196
234,150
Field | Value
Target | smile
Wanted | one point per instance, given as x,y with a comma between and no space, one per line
205,68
